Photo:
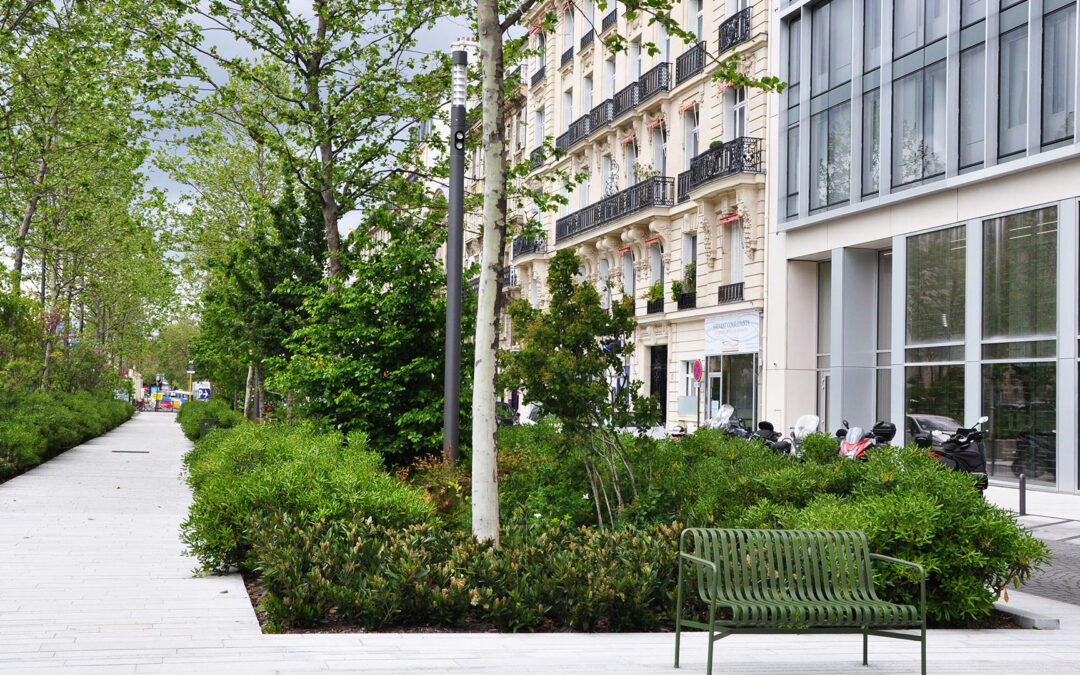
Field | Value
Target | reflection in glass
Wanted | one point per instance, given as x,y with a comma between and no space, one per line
871,125
732,380
935,286
1012,97
824,304
919,125
1059,75
972,105
830,156
1020,274
1020,399
935,390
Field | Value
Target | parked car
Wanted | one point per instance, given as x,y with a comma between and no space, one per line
939,427
505,415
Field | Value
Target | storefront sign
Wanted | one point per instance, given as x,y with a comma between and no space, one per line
734,333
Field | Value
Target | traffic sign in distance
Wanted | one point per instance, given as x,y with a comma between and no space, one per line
697,371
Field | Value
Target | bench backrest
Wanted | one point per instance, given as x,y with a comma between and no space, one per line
766,565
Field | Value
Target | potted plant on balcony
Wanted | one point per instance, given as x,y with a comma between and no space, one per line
643,172
676,290
716,144
689,282
655,292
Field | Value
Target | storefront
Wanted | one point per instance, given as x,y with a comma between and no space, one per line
733,366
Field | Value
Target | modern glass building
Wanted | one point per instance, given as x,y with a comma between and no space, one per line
923,263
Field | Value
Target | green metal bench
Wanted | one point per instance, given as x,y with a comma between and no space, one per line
791,581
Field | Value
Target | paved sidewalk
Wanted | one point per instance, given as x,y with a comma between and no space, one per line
93,580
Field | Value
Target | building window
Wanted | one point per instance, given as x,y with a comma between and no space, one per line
830,120
824,338
972,11
696,16
736,253
738,113
659,146
690,134
1020,275
607,174
568,109
793,76
635,60
871,35
871,141
522,128
663,42
917,23
883,399
918,134
793,171
936,288
538,123
609,78
568,29
1059,75
687,379
605,290
583,190
689,261
631,163
1012,96
541,51
656,262
972,105
587,94
629,282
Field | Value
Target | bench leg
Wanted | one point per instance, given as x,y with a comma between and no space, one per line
923,646
864,650
678,612
712,622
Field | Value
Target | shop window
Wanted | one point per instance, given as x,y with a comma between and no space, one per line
936,267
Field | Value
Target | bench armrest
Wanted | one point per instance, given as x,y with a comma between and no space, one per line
922,577
700,561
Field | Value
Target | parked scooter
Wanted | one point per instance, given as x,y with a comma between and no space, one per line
725,420
962,451
856,442
804,426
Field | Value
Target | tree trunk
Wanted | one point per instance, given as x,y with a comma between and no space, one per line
485,483
260,408
24,226
288,405
247,391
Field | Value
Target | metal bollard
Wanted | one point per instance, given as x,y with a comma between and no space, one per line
1023,494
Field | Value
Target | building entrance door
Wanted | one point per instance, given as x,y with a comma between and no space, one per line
658,378
733,380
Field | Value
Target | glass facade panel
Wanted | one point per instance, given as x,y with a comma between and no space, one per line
1038,349
1021,401
934,390
831,46
935,286
972,11
883,395
1020,274
793,171
830,156
917,23
824,304
884,300
871,141
918,134
871,34
934,354
1012,97
1059,75
972,105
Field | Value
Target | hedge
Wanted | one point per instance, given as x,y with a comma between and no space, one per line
192,411
35,427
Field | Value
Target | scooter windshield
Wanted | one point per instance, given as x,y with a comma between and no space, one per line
855,435
806,425
722,416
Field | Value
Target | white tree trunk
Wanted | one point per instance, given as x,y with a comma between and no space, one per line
485,483
247,391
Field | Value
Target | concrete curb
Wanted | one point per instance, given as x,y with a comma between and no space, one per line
1027,618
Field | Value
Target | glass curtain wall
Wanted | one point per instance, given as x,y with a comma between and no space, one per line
883,399
1059,72
824,339
830,104
1019,371
793,69
934,355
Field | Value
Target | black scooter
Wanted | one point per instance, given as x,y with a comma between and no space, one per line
962,451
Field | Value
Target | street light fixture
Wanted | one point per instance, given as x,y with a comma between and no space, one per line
190,372
454,249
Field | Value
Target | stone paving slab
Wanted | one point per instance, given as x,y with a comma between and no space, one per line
93,580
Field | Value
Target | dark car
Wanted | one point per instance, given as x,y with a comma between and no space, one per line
505,415
919,423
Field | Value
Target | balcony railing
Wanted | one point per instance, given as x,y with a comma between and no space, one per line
610,20
567,56
627,99
729,293
655,81
537,157
538,76
735,30
587,38
687,300
563,141
655,191
654,306
526,245
515,74
742,155
510,277
580,129
690,63
601,115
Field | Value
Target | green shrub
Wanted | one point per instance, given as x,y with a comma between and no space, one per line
544,576
192,412
255,471
37,426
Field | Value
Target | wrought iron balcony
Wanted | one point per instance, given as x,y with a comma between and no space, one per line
741,155
687,300
690,63
563,141
538,76
627,99
515,74
655,81
579,129
735,30
537,157
601,114
610,20
654,306
567,56
655,191
525,246
729,293
510,277
587,38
